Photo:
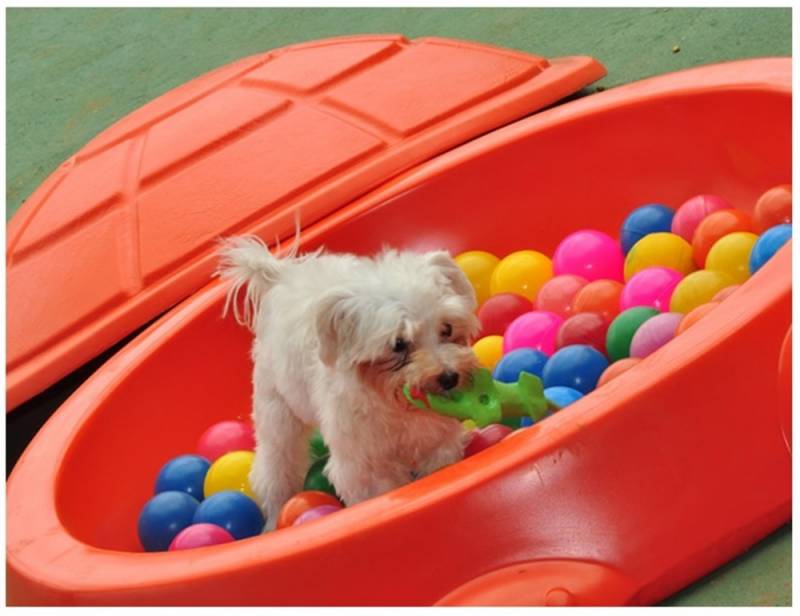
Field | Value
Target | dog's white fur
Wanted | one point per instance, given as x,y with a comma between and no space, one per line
326,327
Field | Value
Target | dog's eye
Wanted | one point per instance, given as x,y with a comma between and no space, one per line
447,330
400,345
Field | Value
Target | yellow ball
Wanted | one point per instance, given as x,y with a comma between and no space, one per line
697,288
478,266
522,272
662,250
731,254
469,425
489,350
230,472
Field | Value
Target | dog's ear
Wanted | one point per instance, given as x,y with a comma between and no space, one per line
444,263
336,324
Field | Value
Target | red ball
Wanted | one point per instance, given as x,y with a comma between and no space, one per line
224,437
557,293
482,438
584,328
499,310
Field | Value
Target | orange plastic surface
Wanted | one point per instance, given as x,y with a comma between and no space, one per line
125,228
633,492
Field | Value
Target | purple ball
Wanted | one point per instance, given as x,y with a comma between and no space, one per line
590,254
655,333
314,513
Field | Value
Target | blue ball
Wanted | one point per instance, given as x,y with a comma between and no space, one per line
560,396
233,511
507,370
768,244
578,366
185,474
650,218
163,517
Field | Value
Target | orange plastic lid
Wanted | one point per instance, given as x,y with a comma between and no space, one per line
126,228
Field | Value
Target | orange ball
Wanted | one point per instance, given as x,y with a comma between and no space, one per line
715,226
600,296
694,315
302,502
774,207
617,368
724,293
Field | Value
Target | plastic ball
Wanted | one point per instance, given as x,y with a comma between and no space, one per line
649,218
652,286
698,288
694,316
617,368
578,366
655,333
533,330
469,425
316,479
316,513
559,396
230,472
599,296
163,517
185,474
233,511
622,329
199,536
513,363
774,207
317,449
483,438
226,436
660,249
593,255
725,293
499,310
715,226
522,272
768,244
556,294
689,215
584,328
489,350
478,266
731,255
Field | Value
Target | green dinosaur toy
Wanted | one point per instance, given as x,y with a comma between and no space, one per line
487,401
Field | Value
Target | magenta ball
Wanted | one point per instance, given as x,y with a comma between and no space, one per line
556,294
652,286
693,211
314,513
200,535
655,333
590,254
224,437
533,330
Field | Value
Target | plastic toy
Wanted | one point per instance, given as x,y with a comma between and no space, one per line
655,333
591,254
578,366
315,513
302,502
478,266
230,472
486,401
715,226
522,272
649,218
617,368
725,293
698,288
185,474
693,211
226,436
233,511
533,330
515,362
317,449
774,207
731,255
600,296
497,312
556,294
560,397
316,480
489,350
768,244
163,517
660,249
199,536
584,328
483,438
623,327
694,315
652,286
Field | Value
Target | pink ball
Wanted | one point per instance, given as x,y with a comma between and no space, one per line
226,436
590,254
484,438
533,330
655,333
315,513
556,294
198,536
693,211
652,286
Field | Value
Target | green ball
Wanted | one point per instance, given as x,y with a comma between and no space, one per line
623,327
316,479
317,449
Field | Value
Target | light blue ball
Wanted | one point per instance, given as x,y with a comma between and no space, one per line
768,244
185,474
560,396
508,369
649,218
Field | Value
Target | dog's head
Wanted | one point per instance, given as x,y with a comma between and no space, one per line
410,322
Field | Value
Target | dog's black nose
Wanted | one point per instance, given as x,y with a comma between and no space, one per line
448,379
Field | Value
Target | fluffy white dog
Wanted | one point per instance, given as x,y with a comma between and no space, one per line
336,338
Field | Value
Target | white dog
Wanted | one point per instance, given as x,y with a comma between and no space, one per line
336,339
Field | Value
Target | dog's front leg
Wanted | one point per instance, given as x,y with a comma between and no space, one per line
449,451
